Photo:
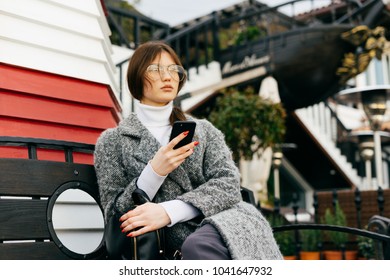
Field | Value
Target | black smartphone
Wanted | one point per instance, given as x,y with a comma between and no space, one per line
180,127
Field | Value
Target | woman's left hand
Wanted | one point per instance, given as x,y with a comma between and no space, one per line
144,218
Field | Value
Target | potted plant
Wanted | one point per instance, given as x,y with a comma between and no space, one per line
309,246
286,242
249,122
366,249
253,127
340,239
285,239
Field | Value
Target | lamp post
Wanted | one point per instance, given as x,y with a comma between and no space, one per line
365,141
276,162
367,153
374,100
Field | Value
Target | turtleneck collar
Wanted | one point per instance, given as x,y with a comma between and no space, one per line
155,116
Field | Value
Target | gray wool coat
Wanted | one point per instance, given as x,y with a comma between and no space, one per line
208,179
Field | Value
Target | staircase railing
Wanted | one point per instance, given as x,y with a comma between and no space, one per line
203,40
198,41
129,26
323,120
375,6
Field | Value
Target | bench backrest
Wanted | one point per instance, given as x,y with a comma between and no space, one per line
28,193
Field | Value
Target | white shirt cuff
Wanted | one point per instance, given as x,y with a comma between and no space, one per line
149,181
179,211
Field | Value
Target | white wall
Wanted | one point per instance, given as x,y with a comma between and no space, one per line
65,37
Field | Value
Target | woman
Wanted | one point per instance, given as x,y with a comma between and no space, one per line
195,189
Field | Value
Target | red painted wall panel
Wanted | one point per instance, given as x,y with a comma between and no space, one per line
57,155
35,104
55,86
13,152
53,110
45,130
83,158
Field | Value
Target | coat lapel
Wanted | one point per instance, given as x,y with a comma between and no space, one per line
148,147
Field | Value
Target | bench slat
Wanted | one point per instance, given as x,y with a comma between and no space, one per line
22,219
31,251
40,178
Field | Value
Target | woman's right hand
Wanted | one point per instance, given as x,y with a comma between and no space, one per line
168,159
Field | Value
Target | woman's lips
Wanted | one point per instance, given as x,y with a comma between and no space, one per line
167,88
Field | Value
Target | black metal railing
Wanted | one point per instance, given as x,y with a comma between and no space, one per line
200,41
132,28
32,144
380,235
355,197
366,216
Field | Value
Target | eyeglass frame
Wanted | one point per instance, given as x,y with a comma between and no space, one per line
165,69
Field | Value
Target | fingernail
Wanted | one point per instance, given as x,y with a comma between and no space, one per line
185,133
196,143
123,230
130,234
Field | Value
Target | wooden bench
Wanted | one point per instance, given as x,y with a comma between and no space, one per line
29,192
32,193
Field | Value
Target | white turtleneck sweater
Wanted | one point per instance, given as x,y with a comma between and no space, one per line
156,120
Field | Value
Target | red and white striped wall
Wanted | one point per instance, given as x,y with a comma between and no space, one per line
57,76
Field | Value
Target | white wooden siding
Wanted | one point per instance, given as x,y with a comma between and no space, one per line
69,38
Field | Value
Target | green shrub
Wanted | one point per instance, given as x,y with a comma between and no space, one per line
336,218
310,239
366,247
249,122
285,239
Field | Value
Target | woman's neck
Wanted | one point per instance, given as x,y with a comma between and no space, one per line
152,115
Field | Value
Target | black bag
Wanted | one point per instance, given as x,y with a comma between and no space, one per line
148,246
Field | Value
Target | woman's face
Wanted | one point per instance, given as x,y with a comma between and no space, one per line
162,87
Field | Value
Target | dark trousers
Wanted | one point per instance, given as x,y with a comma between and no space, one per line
205,244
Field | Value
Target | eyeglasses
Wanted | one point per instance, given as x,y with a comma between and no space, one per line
156,71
